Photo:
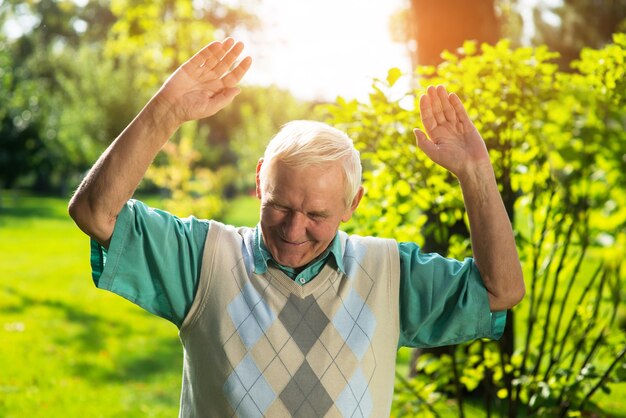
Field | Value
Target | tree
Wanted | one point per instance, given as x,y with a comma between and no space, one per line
430,27
29,131
79,73
21,121
40,58
161,35
575,24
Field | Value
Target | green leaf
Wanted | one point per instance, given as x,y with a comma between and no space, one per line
393,75
469,48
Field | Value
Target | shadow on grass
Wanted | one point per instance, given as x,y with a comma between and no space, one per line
89,330
24,207
93,335
163,356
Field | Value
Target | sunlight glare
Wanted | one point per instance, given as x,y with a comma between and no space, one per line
324,48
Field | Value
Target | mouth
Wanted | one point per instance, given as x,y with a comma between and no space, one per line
292,244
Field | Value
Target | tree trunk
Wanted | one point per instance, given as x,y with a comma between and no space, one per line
446,24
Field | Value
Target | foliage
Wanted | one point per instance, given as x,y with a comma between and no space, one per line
571,25
194,189
21,121
198,169
40,57
558,142
162,34
92,106
79,71
49,60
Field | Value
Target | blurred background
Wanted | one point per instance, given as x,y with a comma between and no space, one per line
544,82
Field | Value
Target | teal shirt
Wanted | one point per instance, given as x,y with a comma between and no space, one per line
154,260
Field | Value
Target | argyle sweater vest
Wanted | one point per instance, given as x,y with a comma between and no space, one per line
262,345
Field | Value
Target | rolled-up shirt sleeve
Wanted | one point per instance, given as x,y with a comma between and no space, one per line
153,260
443,301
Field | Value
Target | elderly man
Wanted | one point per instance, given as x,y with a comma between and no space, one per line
294,317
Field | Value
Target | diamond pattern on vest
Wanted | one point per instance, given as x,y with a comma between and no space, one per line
356,323
315,363
249,393
250,315
355,400
304,394
304,320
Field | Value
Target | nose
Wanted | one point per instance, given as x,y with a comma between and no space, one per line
294,227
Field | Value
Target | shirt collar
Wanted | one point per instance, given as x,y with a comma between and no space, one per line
262,255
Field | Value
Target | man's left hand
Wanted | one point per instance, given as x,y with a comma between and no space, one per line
453,141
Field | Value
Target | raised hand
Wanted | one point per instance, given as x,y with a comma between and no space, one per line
451,139
454,143
205,83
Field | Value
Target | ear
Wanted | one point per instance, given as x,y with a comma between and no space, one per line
258,178
355,203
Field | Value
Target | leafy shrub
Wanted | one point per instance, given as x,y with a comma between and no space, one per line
558,144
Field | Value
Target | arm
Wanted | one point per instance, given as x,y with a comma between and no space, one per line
456,145
197,89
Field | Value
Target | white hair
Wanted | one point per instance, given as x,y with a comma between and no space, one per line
303,143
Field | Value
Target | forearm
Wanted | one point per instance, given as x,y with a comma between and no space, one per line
493,243
117,173
199,88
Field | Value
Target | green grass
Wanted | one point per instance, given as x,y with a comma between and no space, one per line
243,211
69,349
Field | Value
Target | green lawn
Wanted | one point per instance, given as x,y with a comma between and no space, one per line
68,349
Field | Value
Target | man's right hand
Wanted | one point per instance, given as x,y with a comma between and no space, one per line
197,89
205,83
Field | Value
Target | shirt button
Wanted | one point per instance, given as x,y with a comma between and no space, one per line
302,280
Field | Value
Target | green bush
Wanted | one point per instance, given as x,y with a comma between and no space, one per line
558,144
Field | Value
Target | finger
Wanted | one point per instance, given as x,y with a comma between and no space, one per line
426,145
228,43
426,113
448,110
219,47
236,74
209,55
436,105
227,60
460,111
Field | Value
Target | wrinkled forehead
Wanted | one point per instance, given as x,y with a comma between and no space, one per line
319,182
277,169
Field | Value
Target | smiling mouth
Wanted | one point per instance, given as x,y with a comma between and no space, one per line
295,244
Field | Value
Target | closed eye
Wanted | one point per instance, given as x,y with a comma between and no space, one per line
280,208
317,216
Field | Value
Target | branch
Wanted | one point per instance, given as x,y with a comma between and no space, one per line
603,378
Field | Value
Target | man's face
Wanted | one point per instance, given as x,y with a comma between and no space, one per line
301,209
